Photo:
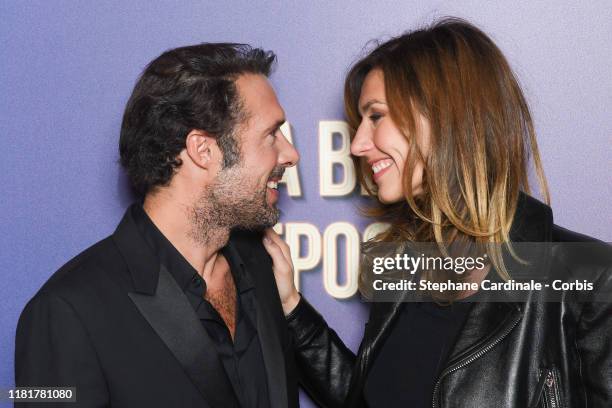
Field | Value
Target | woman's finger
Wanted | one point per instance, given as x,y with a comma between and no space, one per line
278,257
272,235
282,268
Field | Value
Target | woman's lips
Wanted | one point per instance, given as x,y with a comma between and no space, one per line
380,167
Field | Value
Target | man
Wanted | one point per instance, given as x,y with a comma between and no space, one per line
177,308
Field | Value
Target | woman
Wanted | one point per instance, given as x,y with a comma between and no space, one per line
442,131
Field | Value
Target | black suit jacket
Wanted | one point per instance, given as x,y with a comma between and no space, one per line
113,323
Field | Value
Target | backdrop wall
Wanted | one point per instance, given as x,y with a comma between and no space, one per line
67,69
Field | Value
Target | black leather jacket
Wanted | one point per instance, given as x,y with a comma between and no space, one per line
513,354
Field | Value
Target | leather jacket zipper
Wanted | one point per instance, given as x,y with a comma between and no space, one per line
471,358
550,389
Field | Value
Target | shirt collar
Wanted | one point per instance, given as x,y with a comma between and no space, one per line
238,267
167,254
179,267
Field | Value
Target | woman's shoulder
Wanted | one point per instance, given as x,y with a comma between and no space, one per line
585,258
561,234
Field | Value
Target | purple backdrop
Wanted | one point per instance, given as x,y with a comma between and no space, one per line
67,69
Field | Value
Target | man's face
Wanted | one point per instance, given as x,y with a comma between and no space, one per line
245,195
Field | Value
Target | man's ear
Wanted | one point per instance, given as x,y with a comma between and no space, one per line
201,148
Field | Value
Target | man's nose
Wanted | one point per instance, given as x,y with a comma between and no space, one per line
288,156
362,142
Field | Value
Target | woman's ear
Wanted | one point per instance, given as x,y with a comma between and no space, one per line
201,148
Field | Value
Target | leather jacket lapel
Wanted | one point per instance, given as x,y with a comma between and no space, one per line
169,313
488,320
487,325
484,324
382,317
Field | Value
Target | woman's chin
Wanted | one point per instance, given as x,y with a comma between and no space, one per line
389,198
392,197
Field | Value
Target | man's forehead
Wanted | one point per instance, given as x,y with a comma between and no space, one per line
254,86
260,102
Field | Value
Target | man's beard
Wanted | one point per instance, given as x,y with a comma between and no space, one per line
233,201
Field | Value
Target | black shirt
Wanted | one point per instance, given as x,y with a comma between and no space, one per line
241,358
407,365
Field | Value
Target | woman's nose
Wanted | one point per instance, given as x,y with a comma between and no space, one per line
362,142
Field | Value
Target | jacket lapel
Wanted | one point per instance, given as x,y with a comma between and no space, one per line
382,318
164,305
485,323
488,320
272,354
259,266
173,319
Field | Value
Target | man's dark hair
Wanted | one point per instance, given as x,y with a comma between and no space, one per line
184,89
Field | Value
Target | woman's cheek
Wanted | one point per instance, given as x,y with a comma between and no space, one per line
417,179
390,190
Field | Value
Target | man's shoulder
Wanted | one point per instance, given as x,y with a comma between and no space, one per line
90,269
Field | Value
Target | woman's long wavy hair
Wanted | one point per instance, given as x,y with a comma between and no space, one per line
482,137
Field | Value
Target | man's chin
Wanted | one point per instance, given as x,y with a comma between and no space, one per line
260,223
251,228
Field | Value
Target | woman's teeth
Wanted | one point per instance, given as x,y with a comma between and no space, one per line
381,165
272,184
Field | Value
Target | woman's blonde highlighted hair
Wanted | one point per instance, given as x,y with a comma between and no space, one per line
482,136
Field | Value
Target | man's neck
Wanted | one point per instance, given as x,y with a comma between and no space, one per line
172,218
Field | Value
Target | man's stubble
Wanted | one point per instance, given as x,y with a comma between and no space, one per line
232,201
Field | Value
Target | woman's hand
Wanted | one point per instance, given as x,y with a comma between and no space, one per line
283,269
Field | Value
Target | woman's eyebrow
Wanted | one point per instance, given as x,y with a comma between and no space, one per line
369,103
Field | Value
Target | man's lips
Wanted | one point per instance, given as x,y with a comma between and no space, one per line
274,178
272,191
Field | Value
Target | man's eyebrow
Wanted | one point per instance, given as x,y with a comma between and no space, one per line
275,126
369,103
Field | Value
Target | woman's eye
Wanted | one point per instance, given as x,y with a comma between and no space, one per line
374,117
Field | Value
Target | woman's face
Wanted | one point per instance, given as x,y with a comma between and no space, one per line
379,142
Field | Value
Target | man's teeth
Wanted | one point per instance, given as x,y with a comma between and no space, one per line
380,165
272,184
